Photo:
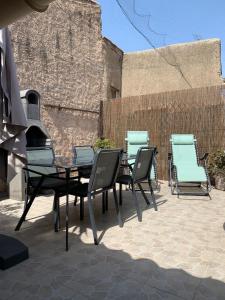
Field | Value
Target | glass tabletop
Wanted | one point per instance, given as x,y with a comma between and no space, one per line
69,162
62,162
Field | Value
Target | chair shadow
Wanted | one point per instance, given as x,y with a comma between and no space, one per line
103,221
109,218
113,274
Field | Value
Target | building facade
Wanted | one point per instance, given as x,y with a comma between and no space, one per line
59,53
171,68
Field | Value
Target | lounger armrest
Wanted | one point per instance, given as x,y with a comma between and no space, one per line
204,157
155,149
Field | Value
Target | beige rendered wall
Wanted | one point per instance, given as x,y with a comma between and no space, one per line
176,67
59,54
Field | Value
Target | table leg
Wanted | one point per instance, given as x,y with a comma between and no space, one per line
28,206
67,207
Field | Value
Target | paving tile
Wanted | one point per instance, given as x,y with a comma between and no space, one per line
175,253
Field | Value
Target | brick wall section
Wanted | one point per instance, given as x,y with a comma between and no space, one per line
176,67
59,54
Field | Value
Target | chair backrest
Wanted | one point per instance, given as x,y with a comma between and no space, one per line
43,155
143,163
184,149
135,140
105,169
83,153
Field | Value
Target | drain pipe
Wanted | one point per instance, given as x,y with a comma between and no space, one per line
12,10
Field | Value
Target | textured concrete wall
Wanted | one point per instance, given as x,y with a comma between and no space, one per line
59,54
175,67
112,68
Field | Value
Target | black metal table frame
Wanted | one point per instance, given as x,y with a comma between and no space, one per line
67,168
67,172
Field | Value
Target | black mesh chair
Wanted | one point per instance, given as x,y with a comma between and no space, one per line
139,174
40,179
103,178
84,154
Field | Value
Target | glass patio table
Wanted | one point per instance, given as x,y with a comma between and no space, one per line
66,164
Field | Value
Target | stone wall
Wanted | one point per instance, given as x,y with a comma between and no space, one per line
176,67
112,69
59,54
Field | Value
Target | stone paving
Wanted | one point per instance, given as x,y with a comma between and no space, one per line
175,253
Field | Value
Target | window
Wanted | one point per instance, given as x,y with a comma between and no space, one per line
115,93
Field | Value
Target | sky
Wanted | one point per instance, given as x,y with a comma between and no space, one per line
165,22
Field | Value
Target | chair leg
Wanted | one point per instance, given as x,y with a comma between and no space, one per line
28,206
103,202
75,198
58,209
106,201
152,194
143,194
136,204
92,219
56,212
117,208
26,201
120,194
81,208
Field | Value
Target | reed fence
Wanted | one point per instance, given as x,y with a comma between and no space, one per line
200,111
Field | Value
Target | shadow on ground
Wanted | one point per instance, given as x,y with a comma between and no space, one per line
92,272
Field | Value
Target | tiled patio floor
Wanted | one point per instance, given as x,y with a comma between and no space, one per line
175,253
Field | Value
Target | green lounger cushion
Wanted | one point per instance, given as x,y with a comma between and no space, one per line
185,159
188,173
182,139
139,140
135,140
137,137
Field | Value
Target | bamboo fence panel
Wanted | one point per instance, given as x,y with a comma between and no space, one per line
200,111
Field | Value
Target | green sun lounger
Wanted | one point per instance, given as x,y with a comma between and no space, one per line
135,140
186,175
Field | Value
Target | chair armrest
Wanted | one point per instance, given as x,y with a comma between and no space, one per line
204,157
73,177
156,150
51,175
128,166
124,165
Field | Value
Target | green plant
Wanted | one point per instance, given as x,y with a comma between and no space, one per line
216,162
104,143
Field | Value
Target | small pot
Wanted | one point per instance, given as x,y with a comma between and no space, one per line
219,178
